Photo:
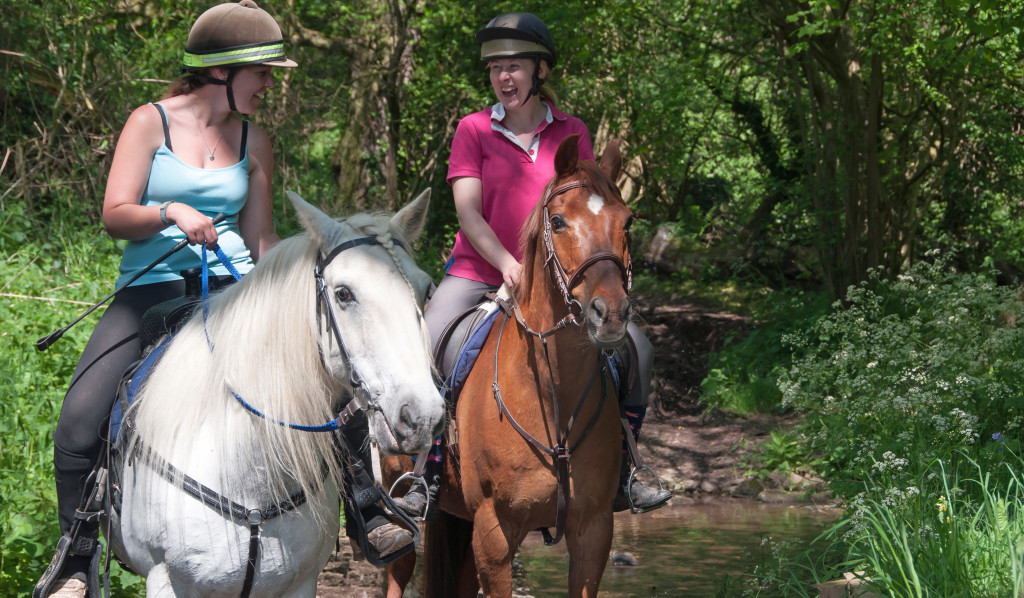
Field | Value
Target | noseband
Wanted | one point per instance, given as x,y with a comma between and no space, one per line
561,278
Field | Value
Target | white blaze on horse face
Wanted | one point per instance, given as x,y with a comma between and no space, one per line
595,202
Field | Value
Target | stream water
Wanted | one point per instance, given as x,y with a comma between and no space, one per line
684,550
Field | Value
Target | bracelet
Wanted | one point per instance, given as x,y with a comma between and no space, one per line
163,212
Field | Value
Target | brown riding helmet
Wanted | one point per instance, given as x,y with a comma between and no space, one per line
230,35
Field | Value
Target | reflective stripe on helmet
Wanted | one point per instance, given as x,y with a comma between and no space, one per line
254,54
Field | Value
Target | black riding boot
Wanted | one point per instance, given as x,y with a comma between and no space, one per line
370,526
640,497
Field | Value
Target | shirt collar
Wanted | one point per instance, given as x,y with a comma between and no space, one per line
498,113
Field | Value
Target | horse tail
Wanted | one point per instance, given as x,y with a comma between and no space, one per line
446,552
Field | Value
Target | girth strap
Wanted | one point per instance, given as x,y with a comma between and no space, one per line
253,518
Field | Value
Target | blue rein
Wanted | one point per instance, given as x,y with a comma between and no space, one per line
353,407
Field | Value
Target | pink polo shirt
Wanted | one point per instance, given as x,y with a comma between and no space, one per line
512,179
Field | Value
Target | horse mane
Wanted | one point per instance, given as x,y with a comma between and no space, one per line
264,333
531,242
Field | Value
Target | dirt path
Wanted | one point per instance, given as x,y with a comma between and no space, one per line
694,452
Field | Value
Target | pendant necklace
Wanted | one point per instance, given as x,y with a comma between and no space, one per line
203,137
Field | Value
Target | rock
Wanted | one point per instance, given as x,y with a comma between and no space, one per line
707,487
774,497
624,559
749,487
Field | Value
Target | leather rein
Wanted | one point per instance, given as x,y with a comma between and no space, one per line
562,450
359,401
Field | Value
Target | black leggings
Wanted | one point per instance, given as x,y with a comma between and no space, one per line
112,348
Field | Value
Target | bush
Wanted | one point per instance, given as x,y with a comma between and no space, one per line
908,371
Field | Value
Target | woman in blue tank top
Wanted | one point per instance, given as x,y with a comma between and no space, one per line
177,163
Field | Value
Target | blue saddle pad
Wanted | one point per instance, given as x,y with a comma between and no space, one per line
470,351
132,387
467,356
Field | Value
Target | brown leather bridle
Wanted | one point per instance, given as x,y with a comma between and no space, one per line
559,276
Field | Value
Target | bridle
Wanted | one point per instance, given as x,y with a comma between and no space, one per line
561,278
360,400
562,450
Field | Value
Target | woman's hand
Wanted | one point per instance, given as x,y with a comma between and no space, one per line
197,226
511,271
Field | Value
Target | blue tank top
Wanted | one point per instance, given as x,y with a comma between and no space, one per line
211,191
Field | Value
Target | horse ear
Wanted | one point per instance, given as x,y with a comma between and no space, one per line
567,156
611,159
312,219
413,217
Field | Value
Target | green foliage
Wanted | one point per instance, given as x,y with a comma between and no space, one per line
742,376
959,536
44,284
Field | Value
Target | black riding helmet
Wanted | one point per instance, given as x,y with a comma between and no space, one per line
233,35
518,34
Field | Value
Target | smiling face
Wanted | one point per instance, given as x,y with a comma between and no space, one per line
250,86
512,78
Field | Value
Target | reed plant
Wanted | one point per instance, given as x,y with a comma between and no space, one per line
912,393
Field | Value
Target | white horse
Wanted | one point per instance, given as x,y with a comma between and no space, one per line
294,356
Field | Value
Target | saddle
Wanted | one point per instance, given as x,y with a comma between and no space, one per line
461,341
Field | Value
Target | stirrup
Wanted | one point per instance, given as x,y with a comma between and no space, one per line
416,480
366,492
629,490
68,546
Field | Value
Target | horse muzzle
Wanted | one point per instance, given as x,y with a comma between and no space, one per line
410,427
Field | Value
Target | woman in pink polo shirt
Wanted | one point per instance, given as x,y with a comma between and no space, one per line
502,158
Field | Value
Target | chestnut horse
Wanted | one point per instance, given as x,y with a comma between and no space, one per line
539,440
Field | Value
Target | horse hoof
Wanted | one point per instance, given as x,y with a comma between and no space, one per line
68,588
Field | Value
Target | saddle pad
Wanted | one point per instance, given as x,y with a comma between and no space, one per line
130,386
469,351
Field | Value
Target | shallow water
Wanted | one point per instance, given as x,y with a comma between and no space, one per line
684,550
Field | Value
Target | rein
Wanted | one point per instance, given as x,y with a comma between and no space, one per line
359,401
561,451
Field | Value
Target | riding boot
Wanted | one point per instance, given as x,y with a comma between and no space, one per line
366,521
75,563
421,502
641,497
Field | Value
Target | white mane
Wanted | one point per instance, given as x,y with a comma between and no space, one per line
264,333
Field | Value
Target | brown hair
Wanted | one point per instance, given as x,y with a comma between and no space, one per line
185,84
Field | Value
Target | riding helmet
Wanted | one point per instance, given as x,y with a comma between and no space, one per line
235,35
516,34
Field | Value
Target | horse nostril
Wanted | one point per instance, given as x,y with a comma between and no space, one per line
597,308
406,423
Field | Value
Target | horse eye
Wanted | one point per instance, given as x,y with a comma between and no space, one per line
344,295
629,223
558,223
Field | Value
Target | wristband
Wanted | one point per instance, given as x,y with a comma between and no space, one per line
163,212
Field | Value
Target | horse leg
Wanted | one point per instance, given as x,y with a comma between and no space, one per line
158,581
588,552
399,573
468,583
493,550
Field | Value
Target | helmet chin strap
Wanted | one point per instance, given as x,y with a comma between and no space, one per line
227,86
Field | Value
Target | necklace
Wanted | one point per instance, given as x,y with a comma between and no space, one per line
212,150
